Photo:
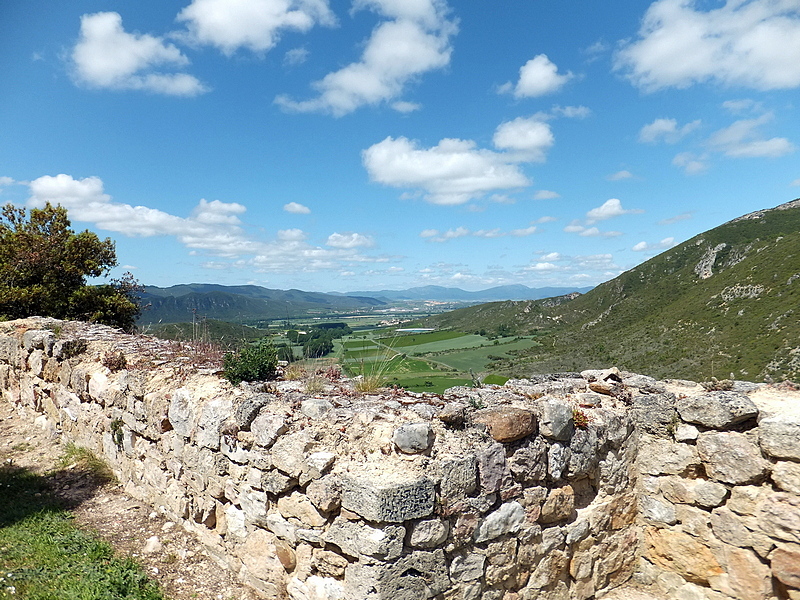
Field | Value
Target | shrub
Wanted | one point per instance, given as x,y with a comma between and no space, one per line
252,363
114,361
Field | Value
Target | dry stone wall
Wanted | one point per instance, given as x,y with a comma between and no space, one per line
560,487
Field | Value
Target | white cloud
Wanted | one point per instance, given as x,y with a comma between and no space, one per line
349,240
571,112
550,256
546,195
404,107
545,220
414,41
744,105
523,232
542,266
434,235
452,172
106,56
664,244
537,77
742,139
609,209
676,219
666,130
296,208
795,182
691,164
212,228
253,24
4,181
295,56
751,43
620,175
530,137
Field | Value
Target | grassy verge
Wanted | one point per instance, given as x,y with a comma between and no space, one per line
43,556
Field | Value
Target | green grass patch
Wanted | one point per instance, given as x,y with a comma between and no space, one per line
43,556
415,339
477,359
433,384
495,380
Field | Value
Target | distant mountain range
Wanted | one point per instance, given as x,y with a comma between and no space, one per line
449,294
726,301
250,303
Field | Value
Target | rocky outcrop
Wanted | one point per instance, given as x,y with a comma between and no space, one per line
549,490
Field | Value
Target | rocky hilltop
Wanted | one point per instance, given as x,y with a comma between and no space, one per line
562,486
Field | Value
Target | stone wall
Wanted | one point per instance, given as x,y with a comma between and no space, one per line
560,487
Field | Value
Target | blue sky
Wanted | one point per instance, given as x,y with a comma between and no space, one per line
338,146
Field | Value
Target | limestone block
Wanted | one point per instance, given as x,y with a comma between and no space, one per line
555,418
181,412
325,493
748,577
298,506
786,476
248,408
508,518
388,497
551,568
785,563
686,433
36,363
654,413
329,563
492,467
310,536
675,489
415,576
709,494
616,558
413,438
266,428
682,554
717,410
559,505
356,538
467,567
281,527
657,511
694,521
428,533
276,483
528,464
39,339
729,527
259,556
315,588
778,516
731,457
290,450
458,477
779,436
235,521
744,498
662,457
583,456
213,415
558,457
254,504
577,531
507,423
553,538
9,350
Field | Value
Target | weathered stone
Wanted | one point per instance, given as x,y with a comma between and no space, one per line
694,521
559,505
315,408
492,467
254,504
453,414
428,533
181,414
550,569
325,493
717,410
686,433
786,476
329,563
744,498
259,556
583,456
209,425
38,339
662,457
289,451
785,563
730,457
388,497
555,418
467,567
281,527
458,477
506,423
506,519
413,438
729,527
300,507
528,464
415,576
681,553
748,577
558,457
655,413
276,483
266,427
778,516
355,538
709,494
248,408
779,436
657,511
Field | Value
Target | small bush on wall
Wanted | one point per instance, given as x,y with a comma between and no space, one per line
251,363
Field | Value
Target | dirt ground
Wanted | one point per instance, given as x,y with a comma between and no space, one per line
171,556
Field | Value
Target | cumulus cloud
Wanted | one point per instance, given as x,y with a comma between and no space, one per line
545,195
571,112
4,181
106,56
537,77
664,244
434,235
349,240
666,130
296,208
620,175
456,171
212,227
745,105
414,40
609,209
295,56
743,139
750,43
690,163
252,24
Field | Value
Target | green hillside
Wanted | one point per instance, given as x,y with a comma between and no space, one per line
726,301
